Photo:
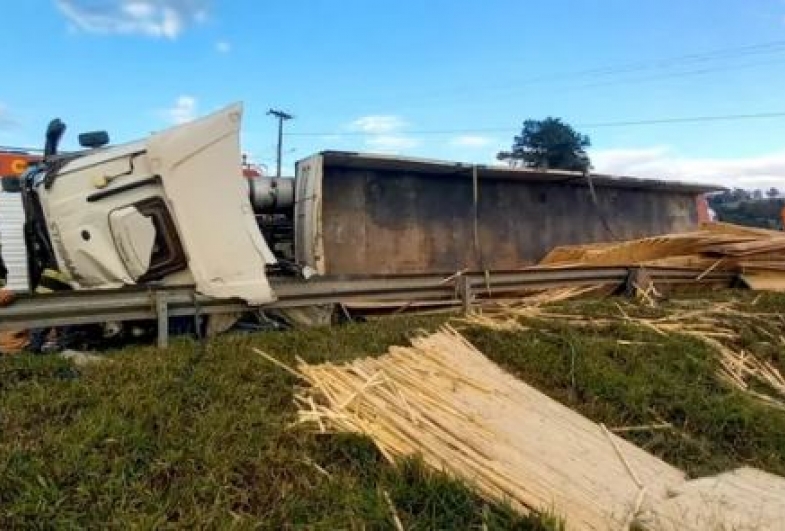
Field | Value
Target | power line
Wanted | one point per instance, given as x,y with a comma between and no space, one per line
669,62
623,123
668,68
610,79
677,75
690,119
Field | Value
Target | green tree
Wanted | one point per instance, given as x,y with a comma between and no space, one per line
548,144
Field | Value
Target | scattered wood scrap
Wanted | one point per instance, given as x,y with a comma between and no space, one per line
505,315
713,324
757,254
553,295
741,368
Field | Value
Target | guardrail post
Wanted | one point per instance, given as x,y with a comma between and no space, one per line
466,293
162,313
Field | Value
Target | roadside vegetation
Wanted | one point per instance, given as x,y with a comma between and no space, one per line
201,437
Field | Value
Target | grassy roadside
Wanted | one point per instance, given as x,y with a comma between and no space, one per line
654,379
182,438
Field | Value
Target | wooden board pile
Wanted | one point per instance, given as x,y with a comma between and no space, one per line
757,254
443,400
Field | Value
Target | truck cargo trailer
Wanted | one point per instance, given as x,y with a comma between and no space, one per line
361,214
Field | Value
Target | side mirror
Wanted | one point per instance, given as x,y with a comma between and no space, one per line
12,185
94,139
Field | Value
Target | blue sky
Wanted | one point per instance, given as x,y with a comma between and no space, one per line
447,79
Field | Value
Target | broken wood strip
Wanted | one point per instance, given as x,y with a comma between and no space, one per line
396,520
643,427
627,465
710,269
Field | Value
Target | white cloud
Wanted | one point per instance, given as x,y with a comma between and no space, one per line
6,120
662,162
184,110
391,143
152,18
378,124
383,133
471,141
223,47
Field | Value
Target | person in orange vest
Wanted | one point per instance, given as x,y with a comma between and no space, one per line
11,341
41,339
6,296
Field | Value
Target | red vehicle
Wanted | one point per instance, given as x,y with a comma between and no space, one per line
15,163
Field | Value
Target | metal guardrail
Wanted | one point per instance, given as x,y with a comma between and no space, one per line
152,303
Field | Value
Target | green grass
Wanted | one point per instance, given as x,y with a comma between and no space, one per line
179,439
187,439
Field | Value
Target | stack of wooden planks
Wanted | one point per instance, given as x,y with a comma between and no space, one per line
443,400
757,254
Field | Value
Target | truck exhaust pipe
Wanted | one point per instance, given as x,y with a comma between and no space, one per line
54,133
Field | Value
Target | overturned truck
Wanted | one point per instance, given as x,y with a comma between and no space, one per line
173,209
359,214
169,209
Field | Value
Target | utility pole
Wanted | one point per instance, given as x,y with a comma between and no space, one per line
282,116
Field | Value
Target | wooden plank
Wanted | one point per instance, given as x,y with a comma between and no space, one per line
719,246
765,280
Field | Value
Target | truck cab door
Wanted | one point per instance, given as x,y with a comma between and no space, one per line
199,165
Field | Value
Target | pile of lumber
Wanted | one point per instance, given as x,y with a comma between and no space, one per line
756,254
442,400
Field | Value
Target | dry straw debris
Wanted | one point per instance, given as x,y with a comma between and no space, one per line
714,324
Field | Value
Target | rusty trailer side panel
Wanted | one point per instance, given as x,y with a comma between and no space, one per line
421,217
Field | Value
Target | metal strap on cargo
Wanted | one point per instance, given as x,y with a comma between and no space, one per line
477,240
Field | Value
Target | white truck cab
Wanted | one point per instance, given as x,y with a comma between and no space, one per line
170,209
